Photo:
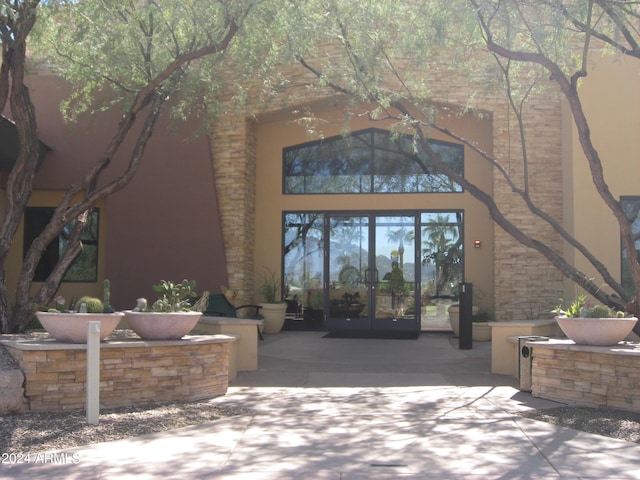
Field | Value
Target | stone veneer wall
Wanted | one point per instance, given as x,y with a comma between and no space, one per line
526,285
233,148
590,376
131,373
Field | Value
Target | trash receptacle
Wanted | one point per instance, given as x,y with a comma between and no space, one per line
524,360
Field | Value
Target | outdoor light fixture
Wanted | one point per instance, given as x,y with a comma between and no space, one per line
477,243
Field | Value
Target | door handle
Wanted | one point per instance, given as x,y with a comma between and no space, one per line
368,276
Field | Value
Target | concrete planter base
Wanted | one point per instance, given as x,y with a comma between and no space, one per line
596,331
72,327
162,325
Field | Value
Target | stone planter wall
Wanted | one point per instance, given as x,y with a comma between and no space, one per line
132,371
585,375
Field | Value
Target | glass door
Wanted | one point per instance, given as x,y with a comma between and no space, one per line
394,274
382,271
348,294
371,270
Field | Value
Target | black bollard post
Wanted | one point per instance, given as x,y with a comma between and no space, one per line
465,340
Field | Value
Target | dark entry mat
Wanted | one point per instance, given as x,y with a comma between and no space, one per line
374,335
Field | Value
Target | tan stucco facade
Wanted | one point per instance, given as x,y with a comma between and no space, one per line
274,135
611,95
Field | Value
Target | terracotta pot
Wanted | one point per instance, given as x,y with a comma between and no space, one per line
273,315
596,331
162,325
72,327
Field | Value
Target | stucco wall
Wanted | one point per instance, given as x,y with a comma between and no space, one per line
611,94
275,134
164,225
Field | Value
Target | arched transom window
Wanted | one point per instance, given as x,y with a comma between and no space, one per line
369,161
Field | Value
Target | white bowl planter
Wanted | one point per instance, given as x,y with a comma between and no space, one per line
161,325
273,315
69,327
596,331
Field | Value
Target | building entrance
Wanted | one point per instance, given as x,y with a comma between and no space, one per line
382,272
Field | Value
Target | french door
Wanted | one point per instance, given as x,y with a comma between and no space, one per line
371,265
373,271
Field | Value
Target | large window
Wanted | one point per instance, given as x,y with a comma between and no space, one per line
631,207
370,161
84,267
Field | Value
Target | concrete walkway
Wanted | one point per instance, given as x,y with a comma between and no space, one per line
355,409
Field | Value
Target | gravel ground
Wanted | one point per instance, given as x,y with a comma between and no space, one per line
602,421
41,432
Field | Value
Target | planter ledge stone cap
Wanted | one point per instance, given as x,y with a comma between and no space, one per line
50,344
623,348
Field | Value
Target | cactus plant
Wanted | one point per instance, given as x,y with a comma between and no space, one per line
106,296
89,305
174,297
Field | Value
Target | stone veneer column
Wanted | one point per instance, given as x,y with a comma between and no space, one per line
233,149
526,284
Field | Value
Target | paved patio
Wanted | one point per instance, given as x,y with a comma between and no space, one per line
356,409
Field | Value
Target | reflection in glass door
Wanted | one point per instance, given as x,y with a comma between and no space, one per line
348,272
441,266
372,271
394,272
382,271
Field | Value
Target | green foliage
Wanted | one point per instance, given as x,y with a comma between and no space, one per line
270,287
174,297
122,47
575,308
580,308
92,304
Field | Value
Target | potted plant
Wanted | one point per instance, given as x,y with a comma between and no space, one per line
70,325
480,328
454,317
594,325
273,309
170,317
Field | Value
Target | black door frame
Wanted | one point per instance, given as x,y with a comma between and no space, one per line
371,323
